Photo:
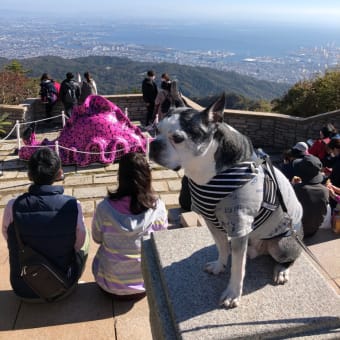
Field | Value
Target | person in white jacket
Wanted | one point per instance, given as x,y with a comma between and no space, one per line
88,87
119,224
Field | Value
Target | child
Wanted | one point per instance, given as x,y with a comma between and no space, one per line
120,222
48,221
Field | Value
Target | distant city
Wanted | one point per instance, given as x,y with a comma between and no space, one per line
35,37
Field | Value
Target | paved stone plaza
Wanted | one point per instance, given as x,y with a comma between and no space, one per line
90,314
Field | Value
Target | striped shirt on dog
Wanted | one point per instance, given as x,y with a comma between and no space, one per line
206,197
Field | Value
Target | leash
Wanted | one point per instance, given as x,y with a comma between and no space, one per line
284,208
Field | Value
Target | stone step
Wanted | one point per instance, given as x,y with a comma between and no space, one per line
88,184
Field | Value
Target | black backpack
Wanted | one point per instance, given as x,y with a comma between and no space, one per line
48,92
70,96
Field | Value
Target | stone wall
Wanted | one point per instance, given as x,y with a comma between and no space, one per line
274,129
279,131
133,102
264,129
15,112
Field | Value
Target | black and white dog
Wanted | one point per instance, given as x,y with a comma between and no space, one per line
227,184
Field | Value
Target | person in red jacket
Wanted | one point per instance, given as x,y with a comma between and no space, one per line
319,147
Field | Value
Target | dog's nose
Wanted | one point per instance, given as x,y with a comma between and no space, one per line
155,149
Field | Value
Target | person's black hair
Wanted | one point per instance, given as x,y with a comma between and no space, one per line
151,73
134,180
87,76
329,130
334,143
69,75
45,76
44,166
165,76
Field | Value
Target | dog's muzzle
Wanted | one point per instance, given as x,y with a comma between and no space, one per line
158,154
155,151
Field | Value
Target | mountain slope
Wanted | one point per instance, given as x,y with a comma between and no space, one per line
121,75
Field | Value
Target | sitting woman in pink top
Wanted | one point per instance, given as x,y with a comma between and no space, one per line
120,222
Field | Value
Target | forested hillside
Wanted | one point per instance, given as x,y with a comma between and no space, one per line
119,75
310,97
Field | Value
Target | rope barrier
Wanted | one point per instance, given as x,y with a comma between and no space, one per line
18,134
76,151
14,127
147,149
18,124
58,147
63,119
41,120
88,152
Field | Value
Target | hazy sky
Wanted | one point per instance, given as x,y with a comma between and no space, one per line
299,11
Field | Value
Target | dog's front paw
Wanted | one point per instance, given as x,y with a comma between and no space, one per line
214,267
281,274
229,299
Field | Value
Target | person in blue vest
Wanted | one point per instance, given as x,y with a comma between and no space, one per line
48,221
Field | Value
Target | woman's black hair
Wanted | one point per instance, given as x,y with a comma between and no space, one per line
134,180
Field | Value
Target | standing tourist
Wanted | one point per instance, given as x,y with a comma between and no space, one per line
149,90
48,93
69,93
88,87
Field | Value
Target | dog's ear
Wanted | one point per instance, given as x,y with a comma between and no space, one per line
214,113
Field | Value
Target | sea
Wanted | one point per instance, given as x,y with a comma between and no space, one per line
244,40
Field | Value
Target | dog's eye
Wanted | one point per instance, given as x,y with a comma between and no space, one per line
177,138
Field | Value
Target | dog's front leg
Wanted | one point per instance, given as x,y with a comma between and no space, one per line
232,295
222,244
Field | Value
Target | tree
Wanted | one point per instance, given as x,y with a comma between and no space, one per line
311,97
15,86
16,67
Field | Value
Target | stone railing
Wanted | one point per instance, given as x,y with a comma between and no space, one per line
14,112
264,129
276,130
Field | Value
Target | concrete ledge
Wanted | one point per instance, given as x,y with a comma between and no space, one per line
183,299
192,219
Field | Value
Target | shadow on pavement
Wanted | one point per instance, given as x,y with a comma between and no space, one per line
87,303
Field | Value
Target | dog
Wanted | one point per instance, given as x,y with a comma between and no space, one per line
227,183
